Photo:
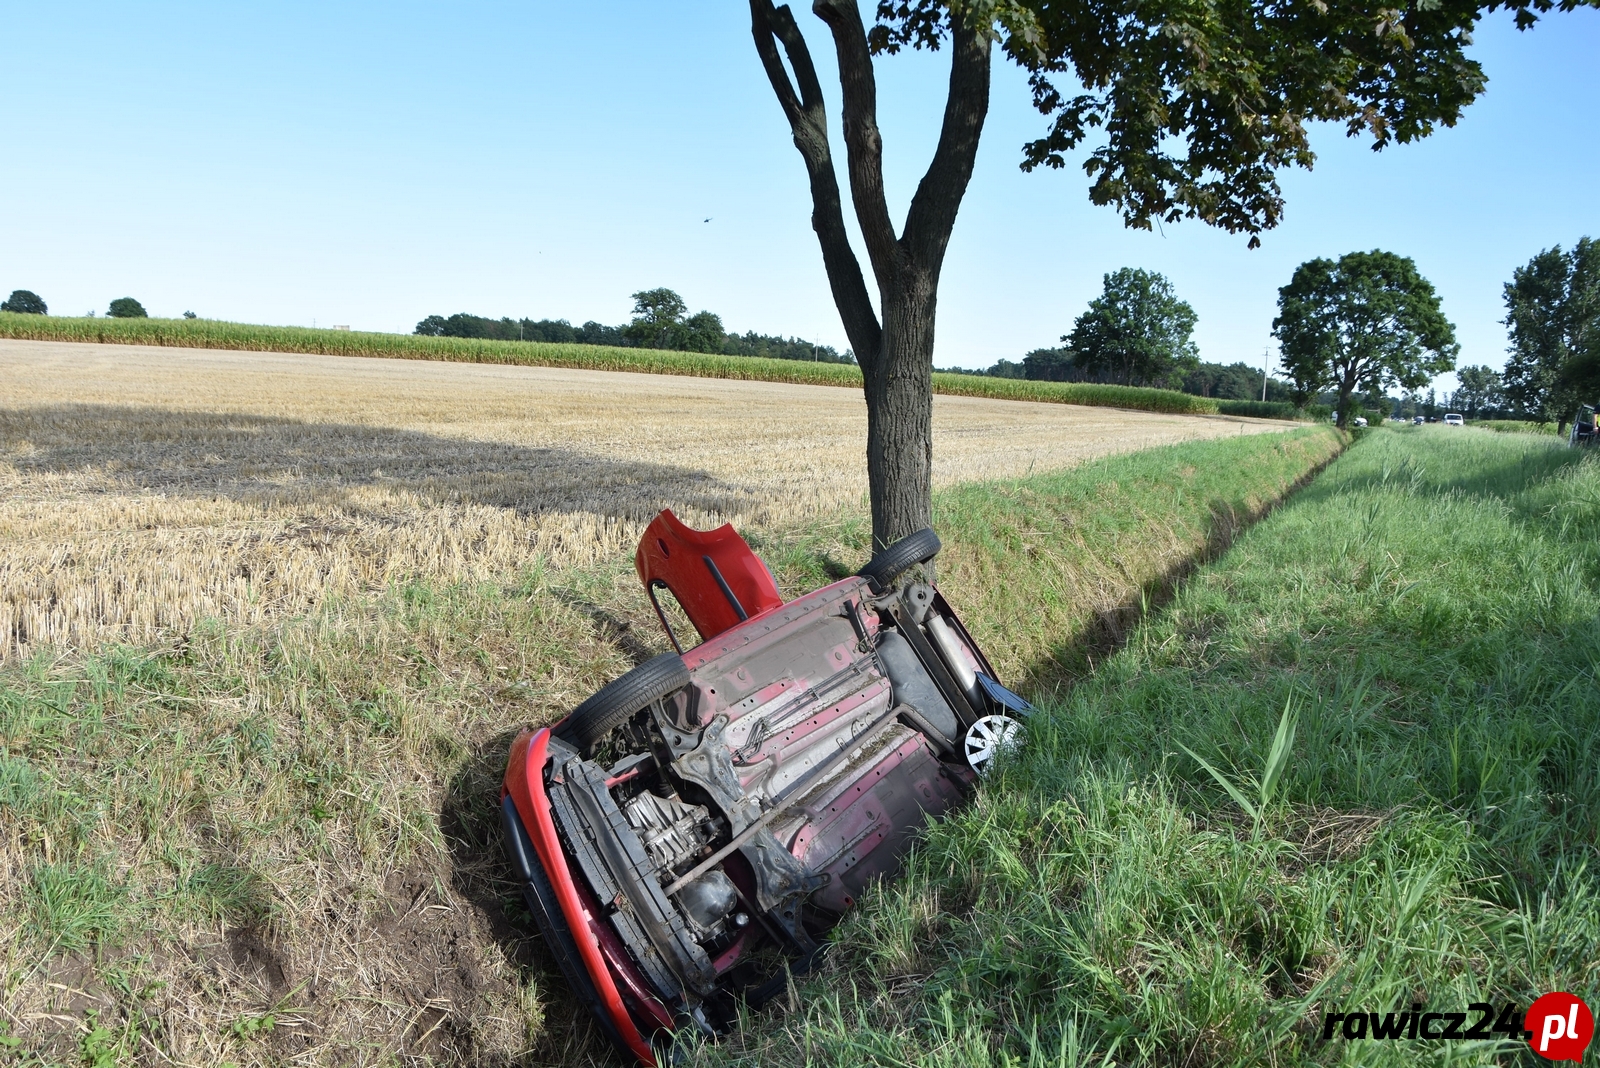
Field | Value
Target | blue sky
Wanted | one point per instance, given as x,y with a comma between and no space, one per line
369,164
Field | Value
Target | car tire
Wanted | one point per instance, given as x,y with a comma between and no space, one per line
621,698
916,548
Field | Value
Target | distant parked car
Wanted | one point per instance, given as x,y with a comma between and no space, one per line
1583,427
1416,420
1454,419
1361,420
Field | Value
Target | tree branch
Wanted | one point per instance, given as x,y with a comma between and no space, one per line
862,141
808,121
933,210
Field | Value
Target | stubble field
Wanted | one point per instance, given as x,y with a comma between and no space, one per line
145,488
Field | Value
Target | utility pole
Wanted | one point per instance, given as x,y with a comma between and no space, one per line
1266,354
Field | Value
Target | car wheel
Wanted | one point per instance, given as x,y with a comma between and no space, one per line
621,698
916,548
989,737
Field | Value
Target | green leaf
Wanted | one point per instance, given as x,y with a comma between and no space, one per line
1233,790
1278,758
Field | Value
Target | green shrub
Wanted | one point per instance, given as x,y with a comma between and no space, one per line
1258,409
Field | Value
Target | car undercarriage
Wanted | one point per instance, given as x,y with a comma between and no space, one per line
689,834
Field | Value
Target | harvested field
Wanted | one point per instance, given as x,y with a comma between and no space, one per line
246,337
146,488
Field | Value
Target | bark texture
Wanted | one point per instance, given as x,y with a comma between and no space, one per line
896,354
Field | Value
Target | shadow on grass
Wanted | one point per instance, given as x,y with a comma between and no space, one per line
609,627
272,460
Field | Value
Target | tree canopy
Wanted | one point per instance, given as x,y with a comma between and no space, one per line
1197,107
1482,389
660,321
126,308
1194,110
1136,331
1363,324
658,308
26,302
1553,318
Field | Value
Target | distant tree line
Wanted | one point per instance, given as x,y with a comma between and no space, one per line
1137,332
1552,317
1348,331
27,302
1233,381
661,320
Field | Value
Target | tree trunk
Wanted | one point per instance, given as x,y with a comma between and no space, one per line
899,393
1347,386
896,357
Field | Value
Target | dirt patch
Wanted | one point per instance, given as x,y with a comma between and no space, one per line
416,975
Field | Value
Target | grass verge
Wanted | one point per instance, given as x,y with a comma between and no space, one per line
1419,628
280,842
215,334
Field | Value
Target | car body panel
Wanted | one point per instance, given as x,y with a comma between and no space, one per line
682,559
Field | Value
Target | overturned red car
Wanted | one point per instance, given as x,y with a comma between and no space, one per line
688,834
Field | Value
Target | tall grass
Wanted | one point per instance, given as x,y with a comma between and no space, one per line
1049,571
1407,652
215,334
1515,426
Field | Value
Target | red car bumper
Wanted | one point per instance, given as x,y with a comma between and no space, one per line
618,991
